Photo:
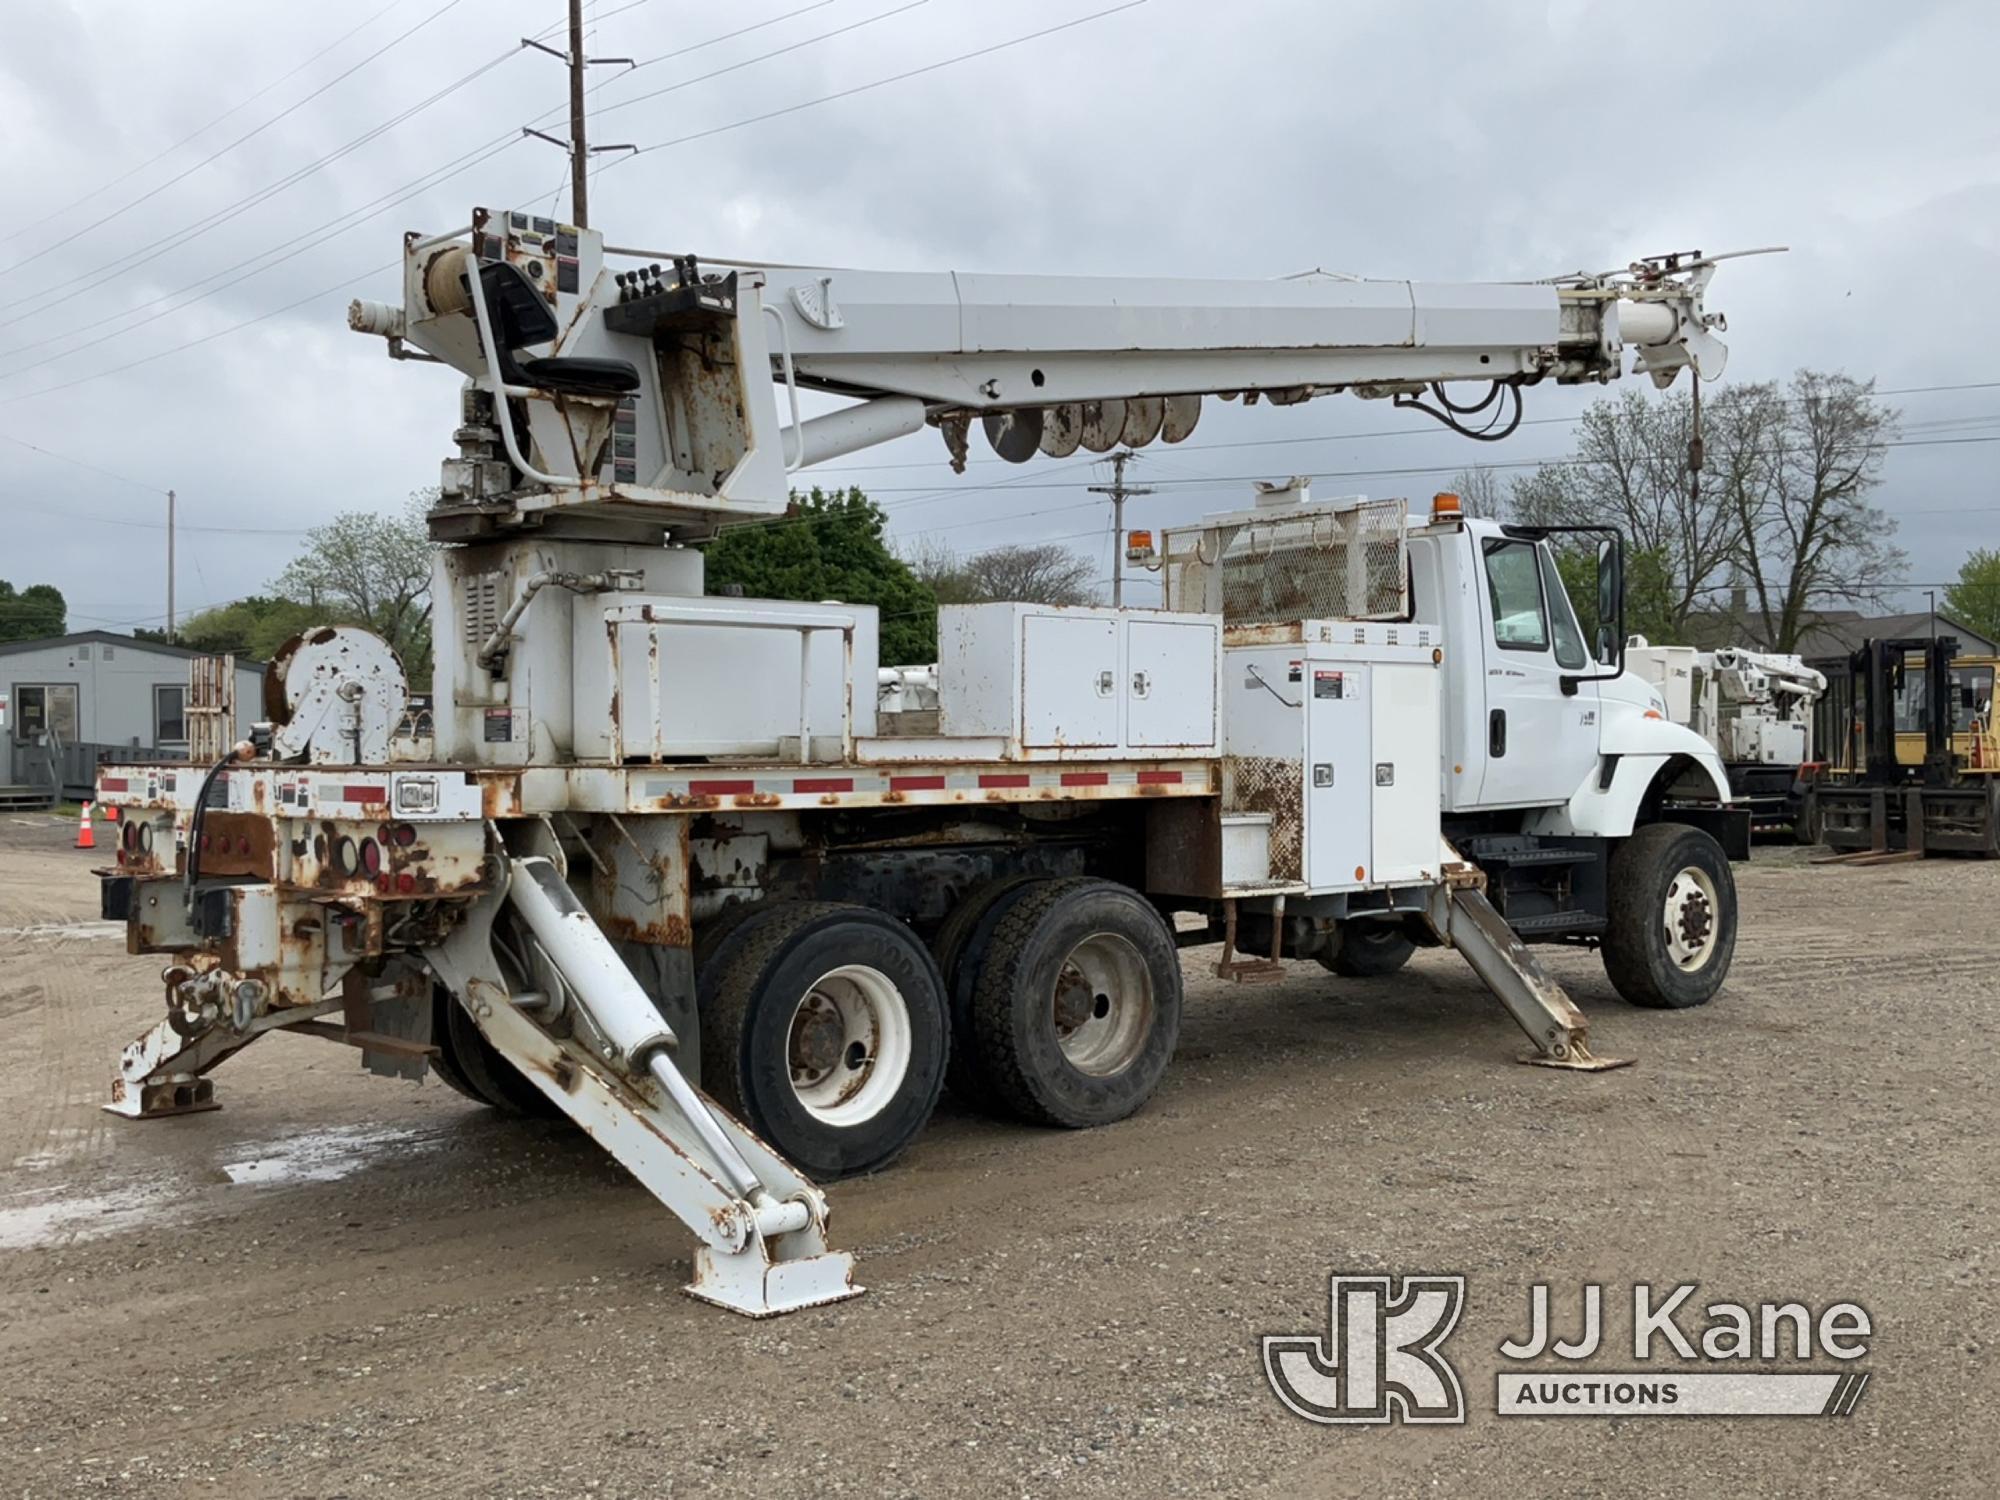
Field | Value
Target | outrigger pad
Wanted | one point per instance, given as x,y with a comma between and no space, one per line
758,1288
1579,1060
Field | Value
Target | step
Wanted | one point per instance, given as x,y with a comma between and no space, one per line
1557,921
1498,852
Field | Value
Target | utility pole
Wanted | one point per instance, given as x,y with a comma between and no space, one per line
579,149
1120,492
170,566
578,146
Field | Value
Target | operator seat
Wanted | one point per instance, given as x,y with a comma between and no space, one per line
521,316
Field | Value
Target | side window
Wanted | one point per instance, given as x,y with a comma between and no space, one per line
1909,704
1570,652
169,715
1514,584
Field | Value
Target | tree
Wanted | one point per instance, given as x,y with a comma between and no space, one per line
1975,599
372,570
1033,572
255,626
1479,492
1779,503
1631,472
36,611
831,547
1808,532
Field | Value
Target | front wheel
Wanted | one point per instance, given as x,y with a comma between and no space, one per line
1368,950
1672,918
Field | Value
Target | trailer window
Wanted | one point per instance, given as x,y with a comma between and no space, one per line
169,714
1514,584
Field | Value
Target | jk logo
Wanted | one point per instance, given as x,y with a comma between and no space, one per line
1379,1360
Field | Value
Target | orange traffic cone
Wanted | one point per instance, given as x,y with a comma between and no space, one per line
85,839
111,812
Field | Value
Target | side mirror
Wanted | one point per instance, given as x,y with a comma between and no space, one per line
1610,599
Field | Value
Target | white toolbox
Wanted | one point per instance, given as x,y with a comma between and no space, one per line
1089,683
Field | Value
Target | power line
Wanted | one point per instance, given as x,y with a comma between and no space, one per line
237,108
89,282
863,88
151,489
154,192
317,235
823,36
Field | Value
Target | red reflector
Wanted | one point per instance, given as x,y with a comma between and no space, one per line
243,844
1010,779
114,784
364,794
916,783
824,784
205,841
1159,778
382,883
1086,778
406,882
721,788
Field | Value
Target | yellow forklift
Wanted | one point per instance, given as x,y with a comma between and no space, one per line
1911,762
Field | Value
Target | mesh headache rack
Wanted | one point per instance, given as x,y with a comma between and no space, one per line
1293,560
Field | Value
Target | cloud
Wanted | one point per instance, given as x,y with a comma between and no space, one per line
1452,140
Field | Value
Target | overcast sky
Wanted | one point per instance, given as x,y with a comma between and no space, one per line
1446,141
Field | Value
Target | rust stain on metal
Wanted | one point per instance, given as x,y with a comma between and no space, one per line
1276,785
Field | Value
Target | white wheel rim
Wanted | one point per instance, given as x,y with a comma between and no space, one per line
847,1050
1691,917
1102,1005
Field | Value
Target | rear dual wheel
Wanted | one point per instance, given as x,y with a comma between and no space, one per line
823,1028
1075,1003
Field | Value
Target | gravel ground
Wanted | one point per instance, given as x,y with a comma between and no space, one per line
340,1285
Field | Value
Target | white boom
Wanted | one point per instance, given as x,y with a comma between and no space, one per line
696,355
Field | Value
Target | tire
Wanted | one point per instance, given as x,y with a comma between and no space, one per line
1368,950
1077,1007
472,1065
1672,927
444,1062
960,946
804,986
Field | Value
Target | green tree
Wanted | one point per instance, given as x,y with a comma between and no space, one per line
1649,595
373,570
36,611
1975,599
254,627
831,547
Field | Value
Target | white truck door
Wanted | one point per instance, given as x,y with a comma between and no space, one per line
1540,743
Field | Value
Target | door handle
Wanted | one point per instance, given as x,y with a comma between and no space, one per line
1106,684
1496,733
1141,684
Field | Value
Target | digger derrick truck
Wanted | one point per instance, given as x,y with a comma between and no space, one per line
664,866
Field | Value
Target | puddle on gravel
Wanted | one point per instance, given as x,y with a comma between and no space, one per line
44,1217
87,1217
319,1155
